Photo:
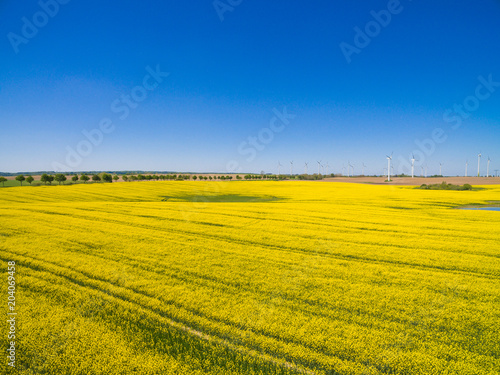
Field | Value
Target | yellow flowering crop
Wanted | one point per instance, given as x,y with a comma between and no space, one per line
253,277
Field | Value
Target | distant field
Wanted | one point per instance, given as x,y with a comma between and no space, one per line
418,180
253,278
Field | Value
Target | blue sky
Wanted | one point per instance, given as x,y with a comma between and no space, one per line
68,66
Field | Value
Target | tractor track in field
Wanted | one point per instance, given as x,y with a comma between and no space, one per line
192,327
176,323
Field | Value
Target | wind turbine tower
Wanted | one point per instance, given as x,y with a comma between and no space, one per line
488,168
478,164
412,166
305,165
389,158
279,166
440,169
363,169
466,167
319,165
349,165
291,168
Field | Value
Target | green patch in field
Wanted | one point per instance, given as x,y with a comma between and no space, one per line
445,186
488,204
236,198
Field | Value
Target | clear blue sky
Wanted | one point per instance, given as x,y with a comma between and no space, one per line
229,72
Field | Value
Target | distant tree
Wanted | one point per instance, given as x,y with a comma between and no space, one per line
50,179
106,177
210,177
116,177
30,179
96,177
238,177
195,178
156,177
2,180
125,178
44,178
84,178
74,178
141,177
20,178
59,177
134,178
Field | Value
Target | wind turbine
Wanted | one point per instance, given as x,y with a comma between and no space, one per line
363,169
426,171
412,166
466,167
389,158
279,166
488,168
440,169
319,165
291,168
422,171
352,166
496,172
305,164
327,166
478,164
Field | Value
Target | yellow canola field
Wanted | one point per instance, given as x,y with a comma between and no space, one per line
253,277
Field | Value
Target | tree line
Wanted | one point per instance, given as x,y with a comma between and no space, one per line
61,178
106,177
